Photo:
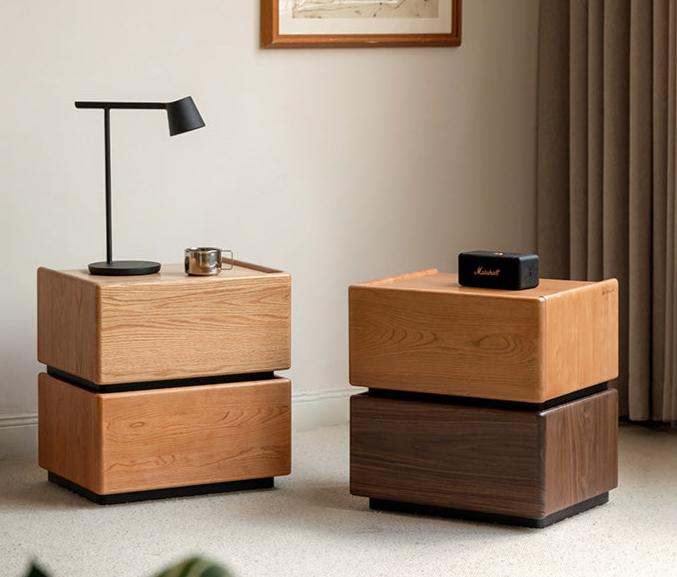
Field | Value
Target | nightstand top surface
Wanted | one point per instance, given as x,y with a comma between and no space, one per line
431,280
173,273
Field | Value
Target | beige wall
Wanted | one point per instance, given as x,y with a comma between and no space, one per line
336,165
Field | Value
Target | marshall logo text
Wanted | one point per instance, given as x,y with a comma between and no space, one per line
481,271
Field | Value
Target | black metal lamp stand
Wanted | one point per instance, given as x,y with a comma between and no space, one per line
182,116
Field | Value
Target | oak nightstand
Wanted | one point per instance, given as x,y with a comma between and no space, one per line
164,385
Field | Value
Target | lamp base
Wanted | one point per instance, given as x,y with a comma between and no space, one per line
124,267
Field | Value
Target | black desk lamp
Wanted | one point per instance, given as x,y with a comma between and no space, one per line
182,116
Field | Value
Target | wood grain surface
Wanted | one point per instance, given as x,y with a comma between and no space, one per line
445,455
505,462
423,332
67,323
112,330
581,337
581,450
69,432
135,441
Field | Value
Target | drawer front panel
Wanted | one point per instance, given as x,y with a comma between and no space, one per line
445,455
171,437
526,464
436,337
446,344
192,330
167,326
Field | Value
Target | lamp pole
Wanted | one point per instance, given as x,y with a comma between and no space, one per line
109,224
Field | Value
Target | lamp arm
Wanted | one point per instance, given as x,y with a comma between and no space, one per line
121,105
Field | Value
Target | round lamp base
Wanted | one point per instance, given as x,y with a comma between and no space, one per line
124,267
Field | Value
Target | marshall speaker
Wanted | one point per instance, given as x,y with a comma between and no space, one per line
498,270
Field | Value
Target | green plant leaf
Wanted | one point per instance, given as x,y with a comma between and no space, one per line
195,567
191,567
35,571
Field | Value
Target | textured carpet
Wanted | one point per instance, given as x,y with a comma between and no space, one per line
311,525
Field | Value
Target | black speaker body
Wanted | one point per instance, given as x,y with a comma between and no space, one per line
498,270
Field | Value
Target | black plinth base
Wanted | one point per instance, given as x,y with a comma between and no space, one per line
114,499
396,506
124,267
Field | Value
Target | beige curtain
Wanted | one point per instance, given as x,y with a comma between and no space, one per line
606,175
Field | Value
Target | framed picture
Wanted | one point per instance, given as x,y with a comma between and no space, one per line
327,23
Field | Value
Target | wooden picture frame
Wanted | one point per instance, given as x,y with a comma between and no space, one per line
271,37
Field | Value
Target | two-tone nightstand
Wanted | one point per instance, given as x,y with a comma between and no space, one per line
484,403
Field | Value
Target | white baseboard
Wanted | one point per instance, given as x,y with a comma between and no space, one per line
18,433
321,408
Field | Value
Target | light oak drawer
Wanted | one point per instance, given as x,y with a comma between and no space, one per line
424,333
159,438
109,330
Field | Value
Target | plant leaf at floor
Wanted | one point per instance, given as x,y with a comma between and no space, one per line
191,567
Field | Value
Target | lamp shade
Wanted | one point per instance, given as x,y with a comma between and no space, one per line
183,116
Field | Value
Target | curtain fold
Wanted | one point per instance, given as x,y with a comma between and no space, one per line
667,386
595,130
553,124
659,205
606,175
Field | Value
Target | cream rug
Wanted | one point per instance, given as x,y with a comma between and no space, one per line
311,526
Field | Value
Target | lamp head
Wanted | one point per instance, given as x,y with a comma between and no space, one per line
183,116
